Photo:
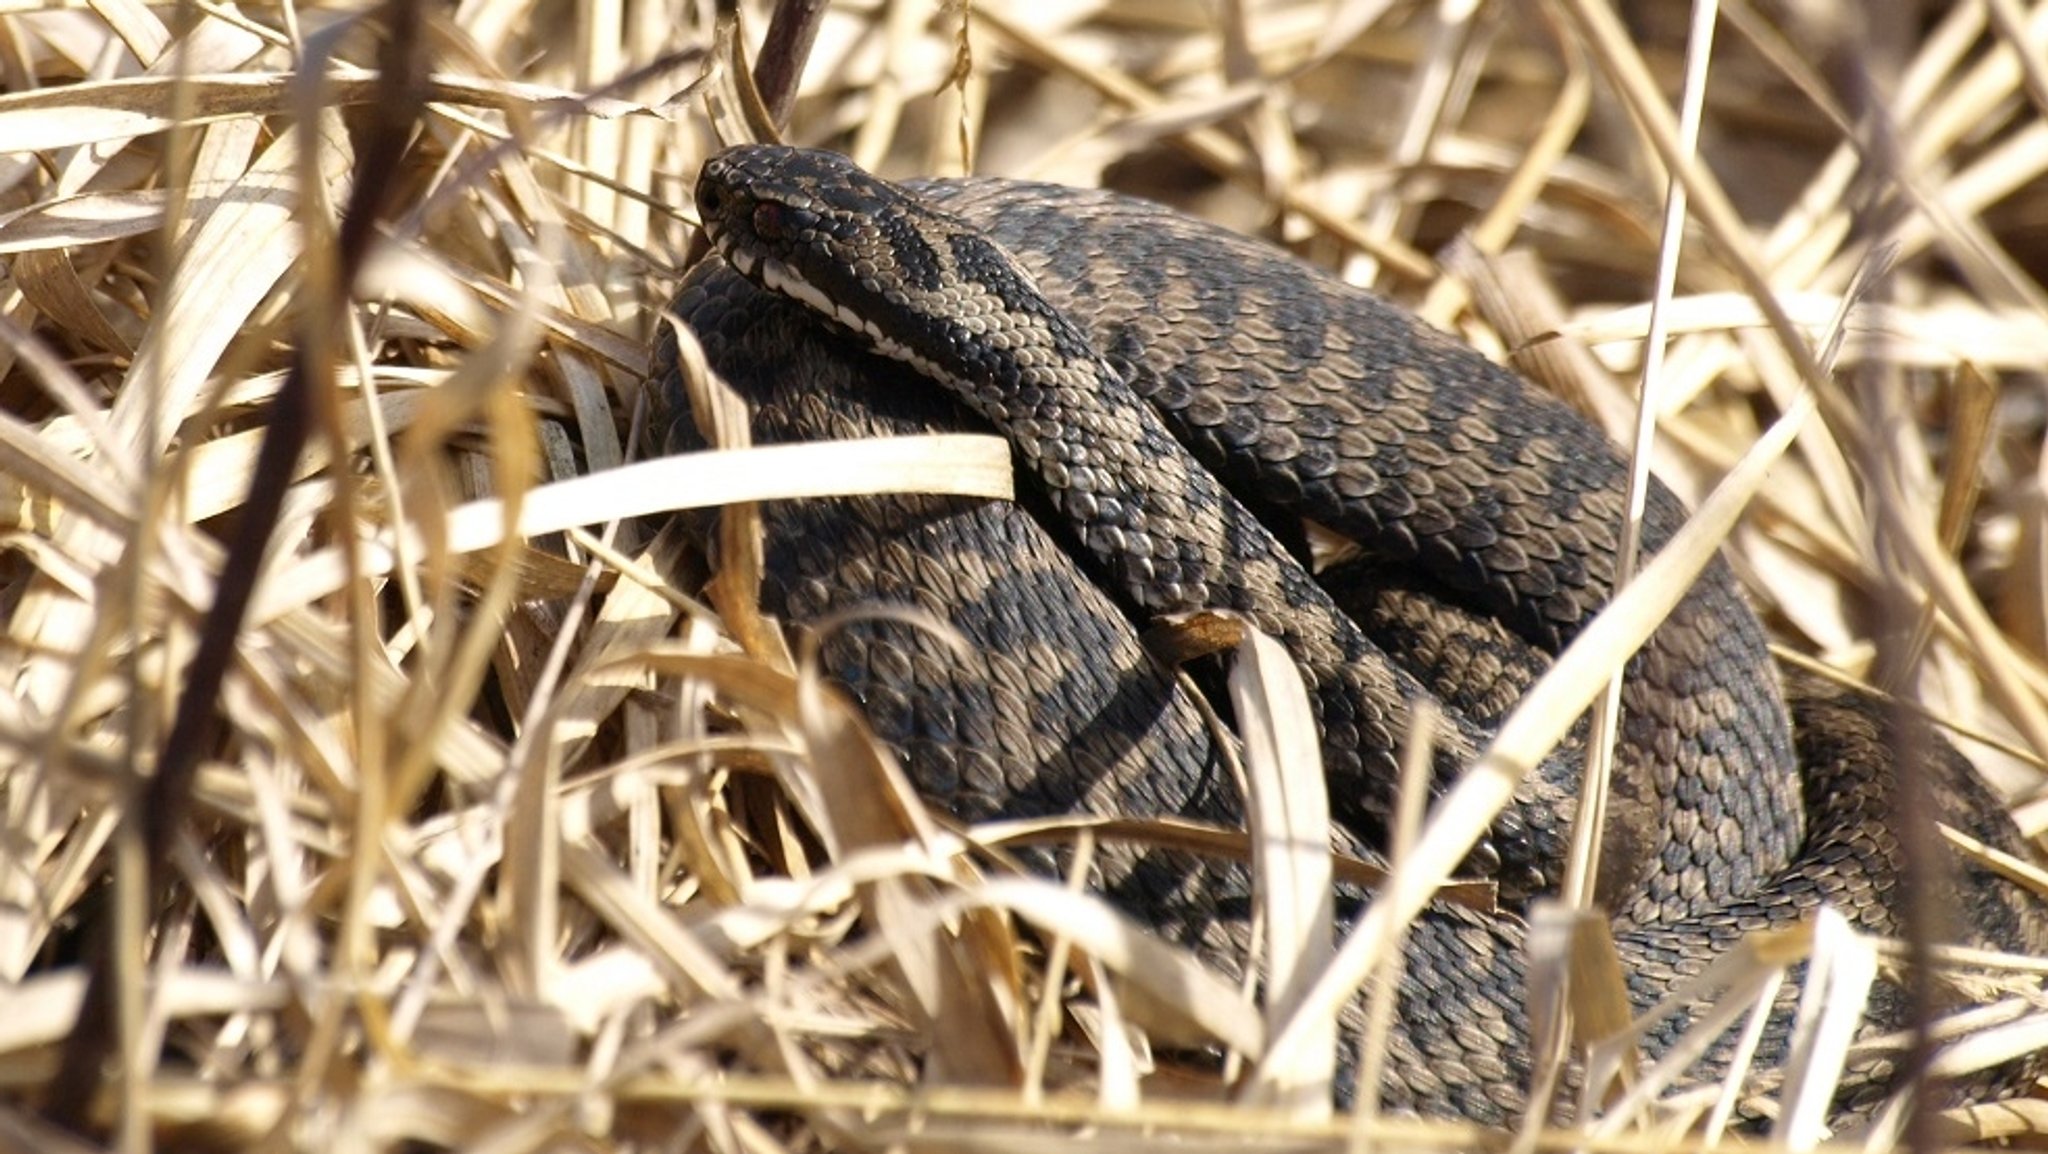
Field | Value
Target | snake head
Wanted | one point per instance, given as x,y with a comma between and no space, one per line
917,284
813,226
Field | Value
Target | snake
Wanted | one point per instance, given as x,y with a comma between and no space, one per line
1183,404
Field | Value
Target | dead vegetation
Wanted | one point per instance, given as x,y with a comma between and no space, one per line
500,842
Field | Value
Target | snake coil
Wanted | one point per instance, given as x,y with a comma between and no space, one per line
1180,400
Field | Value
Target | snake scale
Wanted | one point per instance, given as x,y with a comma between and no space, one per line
1180,400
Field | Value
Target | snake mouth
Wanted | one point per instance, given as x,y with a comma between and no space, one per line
778,277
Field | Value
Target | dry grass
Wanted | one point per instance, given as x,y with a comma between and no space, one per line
502,843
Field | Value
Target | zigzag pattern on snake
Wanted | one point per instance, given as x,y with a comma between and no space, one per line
1179,398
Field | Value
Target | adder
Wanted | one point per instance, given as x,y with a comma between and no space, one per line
1181,400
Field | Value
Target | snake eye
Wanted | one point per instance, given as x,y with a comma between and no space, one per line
710,200
768,222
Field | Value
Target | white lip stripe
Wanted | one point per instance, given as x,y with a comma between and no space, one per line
777,277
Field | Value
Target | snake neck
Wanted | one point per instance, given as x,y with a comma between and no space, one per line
1083,434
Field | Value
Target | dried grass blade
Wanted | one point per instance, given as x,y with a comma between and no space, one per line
1983,1049
51,281
631,618
1201,1004
1743,981
89,218
46,486
1537,724
595,878
962,464
1288,807
1838,980
856,797
958,464
94,112
1573,965
231,261
972,1018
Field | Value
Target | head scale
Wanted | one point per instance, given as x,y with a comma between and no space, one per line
812,225
918,285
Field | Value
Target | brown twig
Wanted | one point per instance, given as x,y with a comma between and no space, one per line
1873,44
791,32
195,727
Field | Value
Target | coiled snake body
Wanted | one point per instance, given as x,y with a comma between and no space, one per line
1174,393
